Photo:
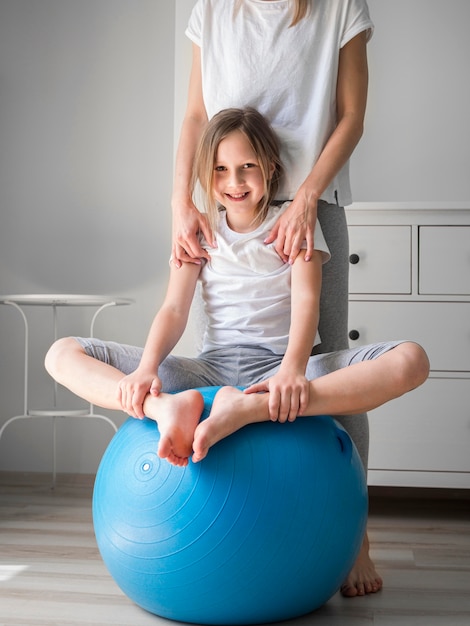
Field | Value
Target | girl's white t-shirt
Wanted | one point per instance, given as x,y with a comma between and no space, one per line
251,57
246,288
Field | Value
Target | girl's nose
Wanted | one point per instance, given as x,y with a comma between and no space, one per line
236,178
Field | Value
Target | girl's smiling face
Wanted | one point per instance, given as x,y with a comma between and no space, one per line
238,182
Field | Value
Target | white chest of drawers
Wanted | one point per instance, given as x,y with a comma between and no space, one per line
410,279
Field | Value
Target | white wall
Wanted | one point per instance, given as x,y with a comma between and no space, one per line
86,159
416,145
182,61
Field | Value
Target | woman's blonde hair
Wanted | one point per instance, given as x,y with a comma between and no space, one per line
264,143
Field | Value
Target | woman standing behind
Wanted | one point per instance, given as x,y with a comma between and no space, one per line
303,64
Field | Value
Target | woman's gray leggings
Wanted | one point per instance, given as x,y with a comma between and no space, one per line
333,326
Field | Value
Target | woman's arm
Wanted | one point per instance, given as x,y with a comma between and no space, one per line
187,220
288,388
298,222
167,328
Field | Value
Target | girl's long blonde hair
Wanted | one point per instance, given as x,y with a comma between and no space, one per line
264,143
300,10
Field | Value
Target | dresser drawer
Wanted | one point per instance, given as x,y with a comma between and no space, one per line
425,430
444,260
380,259
442,328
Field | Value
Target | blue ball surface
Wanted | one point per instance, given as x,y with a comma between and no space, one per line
264,529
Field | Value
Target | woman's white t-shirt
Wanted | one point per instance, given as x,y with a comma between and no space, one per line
251,57
246,288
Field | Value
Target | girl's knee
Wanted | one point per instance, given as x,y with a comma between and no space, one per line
60,350
415,366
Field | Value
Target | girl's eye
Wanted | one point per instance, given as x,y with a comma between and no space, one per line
222,168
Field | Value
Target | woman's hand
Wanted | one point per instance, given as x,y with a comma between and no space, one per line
187,223
134,388
288,395
296,225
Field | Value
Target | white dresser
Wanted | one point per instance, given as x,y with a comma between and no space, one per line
410,279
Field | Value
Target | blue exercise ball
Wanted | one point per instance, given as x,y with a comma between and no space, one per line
264,529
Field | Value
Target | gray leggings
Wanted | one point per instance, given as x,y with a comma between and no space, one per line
239,366
333,325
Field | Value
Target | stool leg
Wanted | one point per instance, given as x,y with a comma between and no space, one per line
54,447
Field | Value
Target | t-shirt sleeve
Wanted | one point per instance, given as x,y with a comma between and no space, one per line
194,28
357,21
319,243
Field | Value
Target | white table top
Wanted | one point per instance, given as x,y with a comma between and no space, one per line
50,299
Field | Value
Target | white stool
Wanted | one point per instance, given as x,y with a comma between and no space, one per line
54,301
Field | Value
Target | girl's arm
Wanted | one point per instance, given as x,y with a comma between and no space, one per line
166,330
288,388
297,223
187,220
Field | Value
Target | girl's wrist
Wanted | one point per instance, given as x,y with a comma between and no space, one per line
179,200
292,367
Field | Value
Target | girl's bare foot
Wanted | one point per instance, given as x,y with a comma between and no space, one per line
363,577
177,416
231,410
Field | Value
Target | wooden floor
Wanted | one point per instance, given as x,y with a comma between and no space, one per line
51,572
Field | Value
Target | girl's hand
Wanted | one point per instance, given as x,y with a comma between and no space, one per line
187,223
296,225
288,395
134,388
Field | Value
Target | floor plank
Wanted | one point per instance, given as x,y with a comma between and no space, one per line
51,572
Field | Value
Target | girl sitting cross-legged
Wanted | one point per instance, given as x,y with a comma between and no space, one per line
262,318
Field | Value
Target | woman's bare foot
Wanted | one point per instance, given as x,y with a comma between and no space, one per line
363,577
231,410
177,416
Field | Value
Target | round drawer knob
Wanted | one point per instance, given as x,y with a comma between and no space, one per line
354,259
354,334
